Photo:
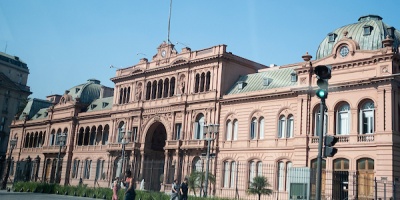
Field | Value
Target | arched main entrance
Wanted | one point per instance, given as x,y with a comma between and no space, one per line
153,168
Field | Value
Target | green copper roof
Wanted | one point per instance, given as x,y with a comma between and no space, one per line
101,104
41,114
33,106
372,41
86,92
273,78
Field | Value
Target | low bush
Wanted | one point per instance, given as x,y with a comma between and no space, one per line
98,193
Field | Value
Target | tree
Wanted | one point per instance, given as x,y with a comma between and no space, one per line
259,186
197,178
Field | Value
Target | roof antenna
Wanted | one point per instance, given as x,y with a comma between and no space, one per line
5,50
169,21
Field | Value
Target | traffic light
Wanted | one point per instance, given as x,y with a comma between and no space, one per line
329,142
323,75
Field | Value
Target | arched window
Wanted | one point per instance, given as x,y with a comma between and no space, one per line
121,93
196,164
261,128
343,120
87,136
128,95
253,127
281,126
52,138
367,118
255,169
124,96
148,90
314,175
317,117
208,78
75,168
229,130
100,175
166,87
229,174
202,81
199,126
172,87
106,130
154,90
197,83
160,89
121,130
80,136
235,129
290,127
340,178
365,179
86,172
92,136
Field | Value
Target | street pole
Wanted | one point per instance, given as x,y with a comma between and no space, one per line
320,142
58,163
61,138
4,183
123,158
207,166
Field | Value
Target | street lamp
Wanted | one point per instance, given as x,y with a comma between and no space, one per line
209,130
61,138
13,143
125,140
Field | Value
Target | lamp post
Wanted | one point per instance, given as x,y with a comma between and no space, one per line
60,138
209,130
13,143
125,140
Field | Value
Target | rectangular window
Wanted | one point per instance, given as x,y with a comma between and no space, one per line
135,134
178,130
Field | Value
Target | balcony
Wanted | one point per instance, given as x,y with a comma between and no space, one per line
89,148
35,149
193,144
118,146
53,149
173,144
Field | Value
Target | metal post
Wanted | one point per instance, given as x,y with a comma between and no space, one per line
123,159
4,184
58,163
319,161
207,167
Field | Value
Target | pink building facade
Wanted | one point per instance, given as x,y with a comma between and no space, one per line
267,114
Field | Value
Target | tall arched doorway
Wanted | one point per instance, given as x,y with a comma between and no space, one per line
153,168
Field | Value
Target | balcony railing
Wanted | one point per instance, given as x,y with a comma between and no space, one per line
193,144
173,144
54,149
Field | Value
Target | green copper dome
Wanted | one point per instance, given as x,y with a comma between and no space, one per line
369,32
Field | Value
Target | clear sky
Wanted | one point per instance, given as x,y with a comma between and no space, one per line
66,42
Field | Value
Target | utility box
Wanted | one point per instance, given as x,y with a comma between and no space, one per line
299,183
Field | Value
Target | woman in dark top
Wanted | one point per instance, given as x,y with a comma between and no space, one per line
130,192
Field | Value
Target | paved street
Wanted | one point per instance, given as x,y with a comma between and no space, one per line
4,195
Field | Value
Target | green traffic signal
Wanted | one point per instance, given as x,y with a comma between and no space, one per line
322,93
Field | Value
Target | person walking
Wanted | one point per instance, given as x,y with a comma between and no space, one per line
115,190
175,189
184,189
128,177
130,193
